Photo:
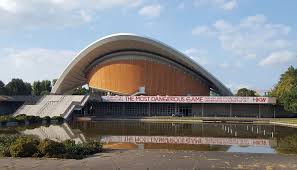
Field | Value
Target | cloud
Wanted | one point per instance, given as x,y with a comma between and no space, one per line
33,63
222,4
280,57
253,37
197,55
55,13
150,11
202,30
227,65
229,5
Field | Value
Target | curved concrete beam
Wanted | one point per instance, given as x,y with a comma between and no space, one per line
74,75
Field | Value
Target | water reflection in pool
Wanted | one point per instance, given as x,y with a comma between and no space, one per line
246,138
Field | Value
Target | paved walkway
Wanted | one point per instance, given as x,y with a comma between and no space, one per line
158,159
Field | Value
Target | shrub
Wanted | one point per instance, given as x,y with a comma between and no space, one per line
47,119
23,146
5,142
92,147
27,146
8,118
58,118
33,119
81,150
73,151
21,118
50,148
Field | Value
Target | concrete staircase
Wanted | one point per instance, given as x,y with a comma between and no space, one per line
54,105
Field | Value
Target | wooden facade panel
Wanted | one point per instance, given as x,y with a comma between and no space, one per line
126,76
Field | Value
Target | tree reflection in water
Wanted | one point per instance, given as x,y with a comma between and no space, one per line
287,145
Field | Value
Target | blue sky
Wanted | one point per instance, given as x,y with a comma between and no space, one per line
244,43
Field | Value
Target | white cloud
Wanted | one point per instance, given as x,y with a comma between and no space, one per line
227,65
229,5
253,37
223,4
55,13
234,87
151,11
280,57
197,55
202,30
34,63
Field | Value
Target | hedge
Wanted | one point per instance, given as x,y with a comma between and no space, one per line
21,119
29,146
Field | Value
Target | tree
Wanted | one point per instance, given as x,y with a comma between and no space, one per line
80,91
46,85
41,87
286,89
287,81
289,99
2,88
245,92
36,89
18,87
54,82
28,88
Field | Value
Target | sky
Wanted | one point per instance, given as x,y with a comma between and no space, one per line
244,43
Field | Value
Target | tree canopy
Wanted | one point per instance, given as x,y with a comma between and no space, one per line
245,92
286,89
80,91
2,88
18,87
41,87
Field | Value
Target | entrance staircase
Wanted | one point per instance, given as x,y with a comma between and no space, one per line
54,105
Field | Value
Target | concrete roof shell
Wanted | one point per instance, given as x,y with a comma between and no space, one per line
74,75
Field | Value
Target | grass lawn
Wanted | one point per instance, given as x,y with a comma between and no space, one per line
286,120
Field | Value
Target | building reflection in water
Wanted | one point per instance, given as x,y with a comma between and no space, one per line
56,132
142,135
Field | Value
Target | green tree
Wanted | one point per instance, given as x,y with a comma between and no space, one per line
286,89
36,88
54,82
246,92
18,87
287,81
289,99
46,86
2,88
80,91
28,88
41,87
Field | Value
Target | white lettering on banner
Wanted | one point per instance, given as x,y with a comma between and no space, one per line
190,99
186,140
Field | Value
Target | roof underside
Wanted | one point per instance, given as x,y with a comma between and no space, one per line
75,74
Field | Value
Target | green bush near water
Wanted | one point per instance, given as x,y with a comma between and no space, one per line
21,119
51,149
5,142
79,151
24,146
28,146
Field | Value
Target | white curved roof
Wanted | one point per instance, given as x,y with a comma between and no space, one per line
74,75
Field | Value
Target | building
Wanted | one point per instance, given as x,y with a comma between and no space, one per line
136,76
127,64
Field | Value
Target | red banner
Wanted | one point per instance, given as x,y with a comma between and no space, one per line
190,99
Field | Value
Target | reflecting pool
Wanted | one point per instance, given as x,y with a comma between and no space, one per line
247,138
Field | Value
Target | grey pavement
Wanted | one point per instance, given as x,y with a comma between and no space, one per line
158,159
